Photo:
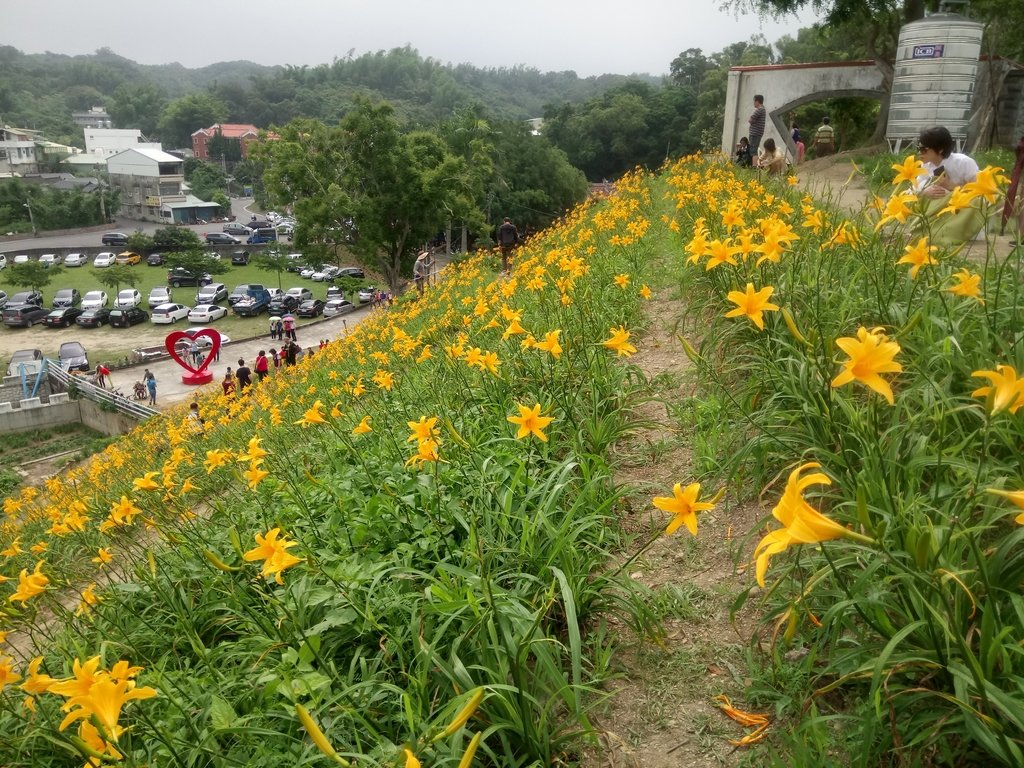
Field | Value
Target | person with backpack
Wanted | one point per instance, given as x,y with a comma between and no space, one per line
508,238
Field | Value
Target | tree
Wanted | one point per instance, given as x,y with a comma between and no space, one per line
273,261
196,262
176,239
205,178
32,275
116,276
140,242
182,117
137,106
367,186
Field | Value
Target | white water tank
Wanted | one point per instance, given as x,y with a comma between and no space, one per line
933,82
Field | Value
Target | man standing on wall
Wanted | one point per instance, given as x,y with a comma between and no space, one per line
508,236
757,122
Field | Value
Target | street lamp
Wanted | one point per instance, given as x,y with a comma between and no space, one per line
31,219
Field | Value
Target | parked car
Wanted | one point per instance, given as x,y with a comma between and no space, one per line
169,313
356,272
325,274
114,238
310,308
243,290
236,228
159,294
334,292
21,258
67,297
3,299
27,356
124,318
131,258
94,299
336,307
24,316
25,298
73,357
282,303
240,258
93,318
129,297
155,259
49,259
365,295
308,272
76,260
104,259
3,261
300,293
206,313
204,341
180,276
255,302
62,317
212,294
221,238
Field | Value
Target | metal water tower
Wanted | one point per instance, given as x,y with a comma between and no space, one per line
933,82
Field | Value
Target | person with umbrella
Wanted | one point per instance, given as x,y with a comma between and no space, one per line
275,327
289,326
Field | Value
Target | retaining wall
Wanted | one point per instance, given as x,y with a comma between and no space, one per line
60,409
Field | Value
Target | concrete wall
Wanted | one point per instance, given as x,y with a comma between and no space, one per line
85,412
788,86
11,391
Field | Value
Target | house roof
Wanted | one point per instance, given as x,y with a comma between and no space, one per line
157,155
229,130
191,201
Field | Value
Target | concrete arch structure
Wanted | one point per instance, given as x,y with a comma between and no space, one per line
787,86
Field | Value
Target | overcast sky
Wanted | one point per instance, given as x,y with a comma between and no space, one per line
589,36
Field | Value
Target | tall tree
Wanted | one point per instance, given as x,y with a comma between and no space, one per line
32,275
367,185
116,276
183,117
137,105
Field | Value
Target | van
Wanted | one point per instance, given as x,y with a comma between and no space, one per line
262,235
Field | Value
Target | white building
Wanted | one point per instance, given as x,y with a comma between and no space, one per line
152,187
18,154
105,142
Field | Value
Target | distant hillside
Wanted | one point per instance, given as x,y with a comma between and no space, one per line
41,90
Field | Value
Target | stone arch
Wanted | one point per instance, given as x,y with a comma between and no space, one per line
778,115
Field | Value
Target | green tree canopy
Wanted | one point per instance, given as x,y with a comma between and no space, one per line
137,105
176,239
116,276
196,262
31,275
366,185
183,117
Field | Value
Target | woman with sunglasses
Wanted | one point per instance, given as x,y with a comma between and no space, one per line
944,171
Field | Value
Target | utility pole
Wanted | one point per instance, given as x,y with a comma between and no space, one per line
31,219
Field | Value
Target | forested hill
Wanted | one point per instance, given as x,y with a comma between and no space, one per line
40,90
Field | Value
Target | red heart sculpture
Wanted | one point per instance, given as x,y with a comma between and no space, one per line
197,375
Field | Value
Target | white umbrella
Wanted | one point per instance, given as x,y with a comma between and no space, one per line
274,318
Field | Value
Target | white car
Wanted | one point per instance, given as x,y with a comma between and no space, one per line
49,259
307,273
76,260
169,313
3,261
336,307
325,274
127,299
158,295
206,313
21,258
94,300
365,295
300,294
104,259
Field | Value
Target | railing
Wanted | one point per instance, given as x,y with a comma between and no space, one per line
85,388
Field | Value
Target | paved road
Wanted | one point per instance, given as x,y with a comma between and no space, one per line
170,390
91,240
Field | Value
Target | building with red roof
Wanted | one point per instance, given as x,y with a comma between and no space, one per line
244,134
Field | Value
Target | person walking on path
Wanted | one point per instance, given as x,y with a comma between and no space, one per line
262,365
289,328
421,270
508,237
757,122
291,353
151,386
825,139
244,375
194,351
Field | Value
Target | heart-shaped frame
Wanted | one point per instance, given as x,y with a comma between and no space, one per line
170,343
